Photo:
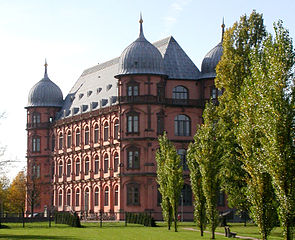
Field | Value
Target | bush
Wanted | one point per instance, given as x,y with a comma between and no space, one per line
140,218
67,218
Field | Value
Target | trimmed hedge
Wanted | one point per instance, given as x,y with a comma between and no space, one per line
140,218
67,218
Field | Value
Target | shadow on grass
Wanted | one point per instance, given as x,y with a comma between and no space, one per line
15,237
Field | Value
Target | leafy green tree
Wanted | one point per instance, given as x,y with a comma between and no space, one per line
207,154
170,178
273,73
231,72
162,175
196,183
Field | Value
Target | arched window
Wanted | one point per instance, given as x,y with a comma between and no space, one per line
36,118
60,169
86,166
96,196
96,133
60,141
116,129
106,132
133,194
186,195
69,139
36,142
69,165
182,154
60,198
86,136
106,164
106,196
86,197
77,167
182,125
96,165
116,162
69,197
116,196
180,92
133,158
77,137
77,199
132,122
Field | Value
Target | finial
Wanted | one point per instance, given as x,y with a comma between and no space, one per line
222,27
140,30
45,65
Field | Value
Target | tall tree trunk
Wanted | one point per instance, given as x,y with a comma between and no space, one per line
202,230
212,232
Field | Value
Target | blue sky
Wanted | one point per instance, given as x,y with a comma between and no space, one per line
74,35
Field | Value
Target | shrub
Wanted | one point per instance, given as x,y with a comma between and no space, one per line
140,218
67,218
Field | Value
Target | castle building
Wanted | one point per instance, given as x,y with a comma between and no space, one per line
95,150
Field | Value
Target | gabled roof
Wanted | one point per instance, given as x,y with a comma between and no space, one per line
97,87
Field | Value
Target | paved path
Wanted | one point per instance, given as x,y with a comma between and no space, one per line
218,233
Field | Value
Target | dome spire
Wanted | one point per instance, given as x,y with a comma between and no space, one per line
222,27
140,29
45,72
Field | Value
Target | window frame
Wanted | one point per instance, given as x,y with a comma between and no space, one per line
78,137
133,163
96,133
132,89
106,131
86,166
116,129
106,163
96,196
106,196
78,163
96,165
69,139
116,162
77,197
69,168
133,194
60,141
60,169
182,127
132,123
36,143
180,93
86,136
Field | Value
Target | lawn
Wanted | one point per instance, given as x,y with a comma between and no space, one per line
117,231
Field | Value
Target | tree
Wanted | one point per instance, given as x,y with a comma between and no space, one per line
17,193
272,70
4,184
196,183
231,72
169,177
207,154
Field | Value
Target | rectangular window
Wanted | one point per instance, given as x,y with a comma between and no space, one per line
132,123
36,144
133,159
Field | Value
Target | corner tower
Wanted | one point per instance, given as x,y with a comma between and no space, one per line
44,101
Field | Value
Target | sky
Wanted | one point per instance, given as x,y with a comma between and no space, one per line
74,35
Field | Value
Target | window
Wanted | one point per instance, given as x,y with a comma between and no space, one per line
116,162
86,198
77,167
60,141
69,165
53,143
106,164
96,195
215,92
132,122
133,194
86,136
69,139
133,158
60,198
86,166
96,134
36,171
106,132
36,118
182,154
36,142
96,165
60,169
159,196
77,200
106,196
180,92
116,196
182,125
186,195
77,137
160,122
116,129
69,197
132,89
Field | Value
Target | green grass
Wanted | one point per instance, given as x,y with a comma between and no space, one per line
117,231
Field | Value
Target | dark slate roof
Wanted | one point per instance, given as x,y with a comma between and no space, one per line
210,61
45,93
177,65
141,57
97,87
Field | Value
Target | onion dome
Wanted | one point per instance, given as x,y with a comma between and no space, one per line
141,57
45,93
212,58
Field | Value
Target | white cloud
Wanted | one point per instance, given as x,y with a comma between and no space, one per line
176,6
